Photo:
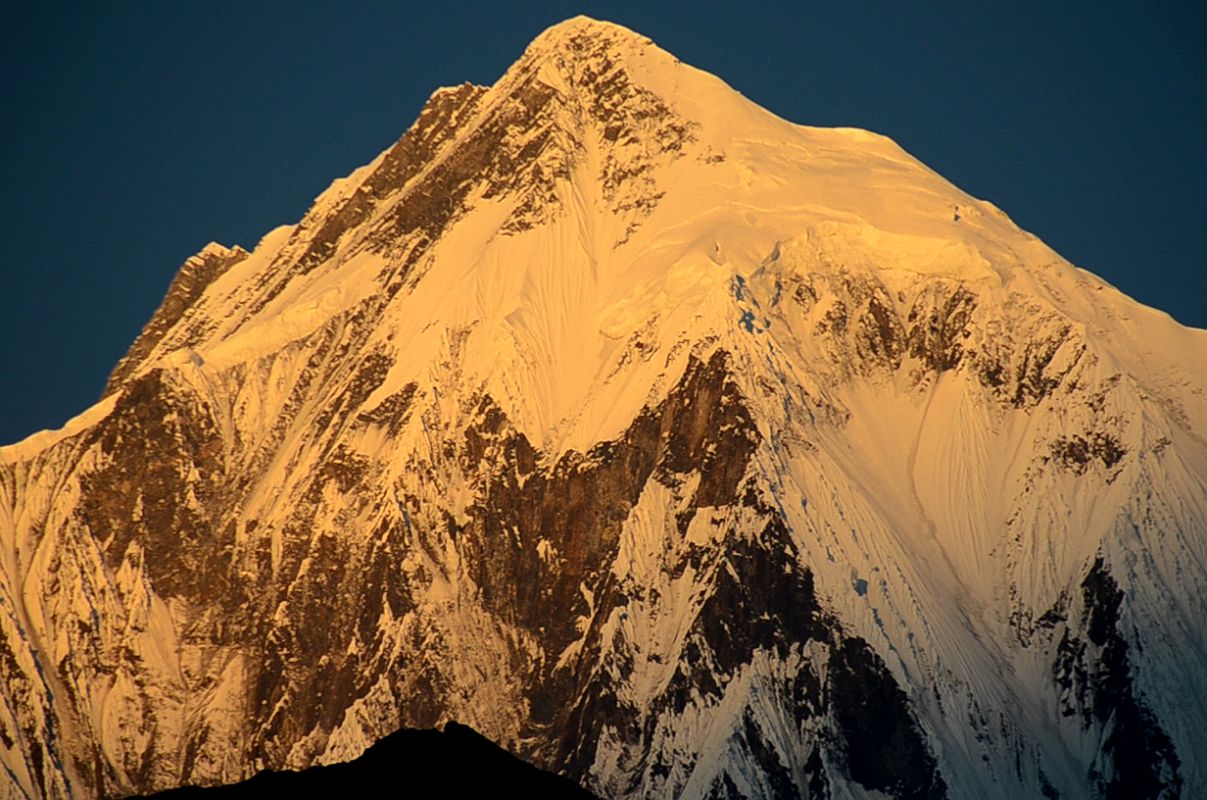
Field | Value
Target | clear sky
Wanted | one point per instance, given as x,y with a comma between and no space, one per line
133,134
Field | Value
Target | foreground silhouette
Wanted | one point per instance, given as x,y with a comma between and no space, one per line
458,762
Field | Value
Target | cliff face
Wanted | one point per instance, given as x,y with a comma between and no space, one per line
677,448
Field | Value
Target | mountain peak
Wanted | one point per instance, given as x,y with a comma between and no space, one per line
583,52
577,30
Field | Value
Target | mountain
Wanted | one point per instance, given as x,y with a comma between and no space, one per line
679,449
455,762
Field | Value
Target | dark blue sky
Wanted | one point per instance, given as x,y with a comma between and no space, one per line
134,135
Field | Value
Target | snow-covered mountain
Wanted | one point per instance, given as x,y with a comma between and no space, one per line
678,448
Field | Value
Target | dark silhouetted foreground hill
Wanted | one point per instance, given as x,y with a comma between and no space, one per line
455,762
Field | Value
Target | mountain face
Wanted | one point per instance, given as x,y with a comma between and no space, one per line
679,449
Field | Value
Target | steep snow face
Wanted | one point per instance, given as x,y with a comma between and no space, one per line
677,447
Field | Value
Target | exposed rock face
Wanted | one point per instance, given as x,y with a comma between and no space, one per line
678,449
1095,676
189,284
